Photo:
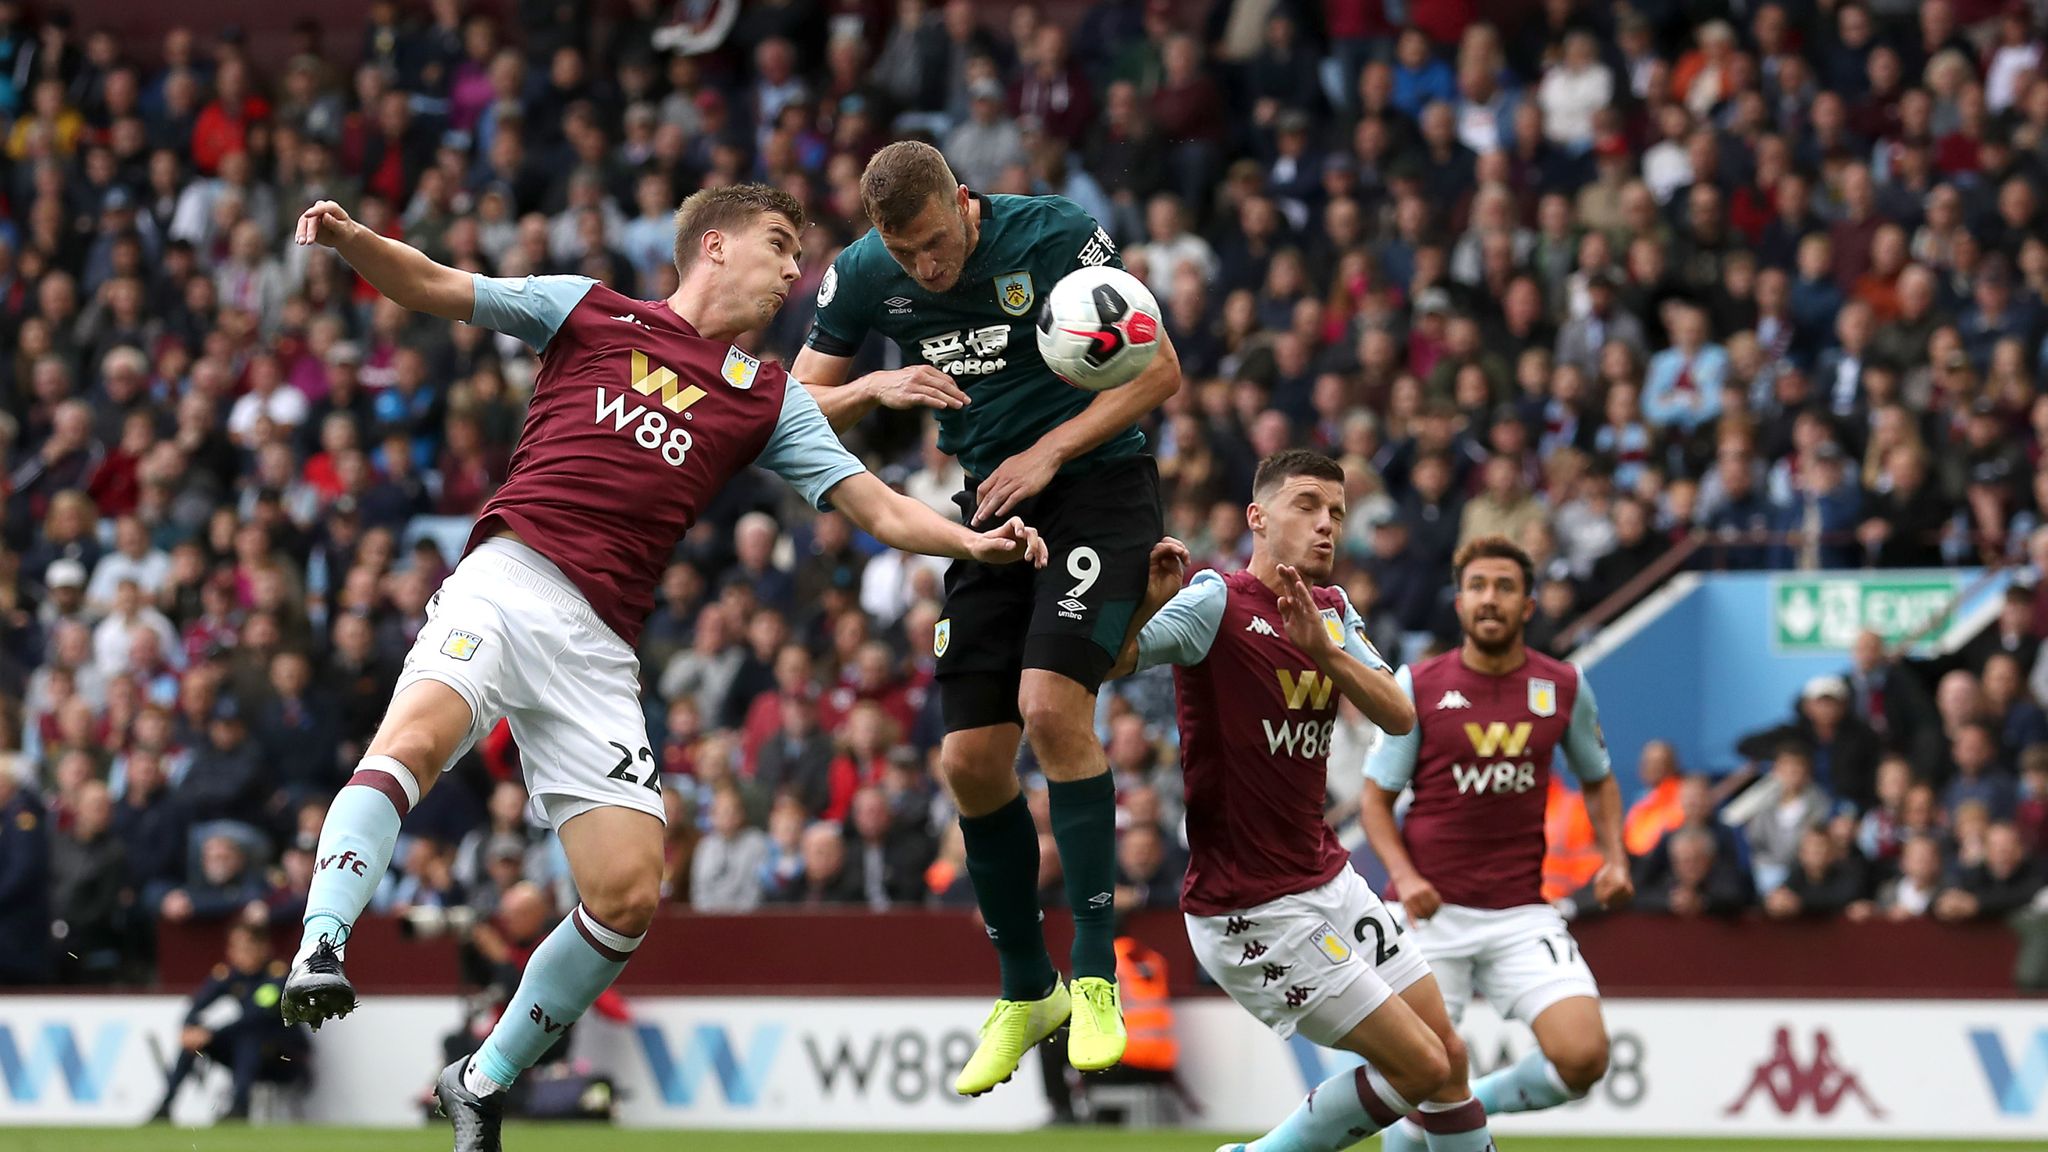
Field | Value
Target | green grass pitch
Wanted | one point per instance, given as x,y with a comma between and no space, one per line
579,1138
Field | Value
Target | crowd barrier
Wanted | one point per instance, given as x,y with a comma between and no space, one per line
858,952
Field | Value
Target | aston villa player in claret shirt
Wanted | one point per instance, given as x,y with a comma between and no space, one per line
642,411
1467,864
1274,911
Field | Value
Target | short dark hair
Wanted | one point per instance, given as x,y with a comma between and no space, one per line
725,209
1278,468
901,180
1493,548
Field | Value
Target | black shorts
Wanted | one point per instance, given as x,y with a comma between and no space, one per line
1068,617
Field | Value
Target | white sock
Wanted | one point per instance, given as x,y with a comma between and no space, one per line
476,1083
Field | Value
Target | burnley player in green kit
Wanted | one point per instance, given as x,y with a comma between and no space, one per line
955,279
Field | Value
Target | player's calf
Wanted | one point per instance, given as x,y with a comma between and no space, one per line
1081,797
615,857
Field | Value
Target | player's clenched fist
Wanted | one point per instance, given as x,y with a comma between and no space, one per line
1009,542
325,223
1418,898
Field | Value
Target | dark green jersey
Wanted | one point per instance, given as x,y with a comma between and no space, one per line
983,332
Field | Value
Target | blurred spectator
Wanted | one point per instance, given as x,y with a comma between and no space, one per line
825,878
889,853
1919,881
726,873
1700,881
1843,750
1793,805
90,898
1657,811
224,884
1822,880
2004,882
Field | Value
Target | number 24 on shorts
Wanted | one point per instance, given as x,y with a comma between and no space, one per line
652,781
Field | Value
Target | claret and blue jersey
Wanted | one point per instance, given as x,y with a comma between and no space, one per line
636,422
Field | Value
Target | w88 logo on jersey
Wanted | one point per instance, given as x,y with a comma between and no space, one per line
650,427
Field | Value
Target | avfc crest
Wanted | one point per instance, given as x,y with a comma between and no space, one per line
1330,943
1333,623
1013,292
739,369
1542,697
942,636
461,645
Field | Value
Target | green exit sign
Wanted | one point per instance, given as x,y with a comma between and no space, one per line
1824,613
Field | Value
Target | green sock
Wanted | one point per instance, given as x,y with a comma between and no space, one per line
1002,859
1084,827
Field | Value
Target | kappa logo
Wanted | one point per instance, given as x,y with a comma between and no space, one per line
1453,699
739,369
1823,1083
461,645
1260,626
630,318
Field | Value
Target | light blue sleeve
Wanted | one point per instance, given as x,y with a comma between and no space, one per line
803,449
529,307
1182,631
1585,746
1355,643
1392,763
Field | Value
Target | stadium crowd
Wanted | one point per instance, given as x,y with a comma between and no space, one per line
1637,287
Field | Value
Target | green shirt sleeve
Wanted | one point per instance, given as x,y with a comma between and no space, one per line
841,321
1088,242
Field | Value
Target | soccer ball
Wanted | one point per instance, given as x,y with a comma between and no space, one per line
1098,328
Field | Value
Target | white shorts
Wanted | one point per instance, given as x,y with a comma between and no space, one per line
1522,960
510,633
1316,962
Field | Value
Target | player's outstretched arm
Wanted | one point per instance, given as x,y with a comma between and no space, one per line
1162,584
908,525
1028,472
845,402
401,272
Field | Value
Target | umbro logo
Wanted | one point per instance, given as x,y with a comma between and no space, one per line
1260,626
898,305
630,318
1072,608
1453,699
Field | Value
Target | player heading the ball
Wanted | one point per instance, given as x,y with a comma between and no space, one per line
642,410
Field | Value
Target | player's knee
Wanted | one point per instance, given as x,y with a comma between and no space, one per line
1058,732
1581,1062
1423,1072
968,771
1456,1060
416,747
626,906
